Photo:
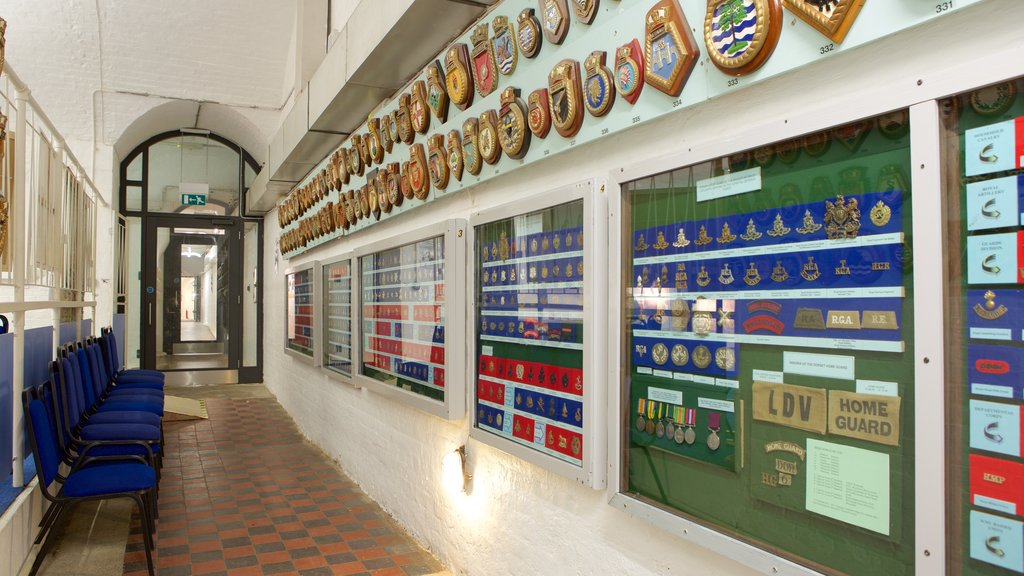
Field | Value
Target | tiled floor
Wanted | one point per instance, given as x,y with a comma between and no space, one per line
244,494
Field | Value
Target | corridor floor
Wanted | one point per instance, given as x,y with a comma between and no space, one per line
244,494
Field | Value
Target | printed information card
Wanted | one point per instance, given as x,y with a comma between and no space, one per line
848,484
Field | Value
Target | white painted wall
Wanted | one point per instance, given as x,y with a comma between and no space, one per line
519,519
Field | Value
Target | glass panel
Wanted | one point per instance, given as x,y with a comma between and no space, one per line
984,188
133,252
530,340
299,312
769,391
133,198
403,321
134,170
195,160
192,286
250,300
337,294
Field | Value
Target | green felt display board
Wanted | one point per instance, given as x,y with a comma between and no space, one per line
735,488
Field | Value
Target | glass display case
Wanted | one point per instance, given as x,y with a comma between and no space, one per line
336,277
300,312
411,291
768,374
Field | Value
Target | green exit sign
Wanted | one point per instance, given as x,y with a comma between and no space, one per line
193,199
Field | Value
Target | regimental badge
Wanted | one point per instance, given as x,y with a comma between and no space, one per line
989,310
405,131
842,218
660,243
554,16
487,137
894,125
458,77
599,96
455,154
383,198
529,33
701,356
355,160
371,194
506,55
993,100
726,236
539,115
419,112
376,144
670,50
437,95
364,150
389,130
852,135
833,18
751,234
702,236
880,214
585,10
403,181
629,71
703,278
753,276
470,148
485,68
810,271
393,184
566,94
437,162
779,229
352,207
512,133
740,35
725,276
419,181
341,169
809,225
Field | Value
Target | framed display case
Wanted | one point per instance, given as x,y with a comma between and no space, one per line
301,339
411,318
336,291
767,367
537,327
982,147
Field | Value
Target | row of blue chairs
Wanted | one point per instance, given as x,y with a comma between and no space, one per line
96,433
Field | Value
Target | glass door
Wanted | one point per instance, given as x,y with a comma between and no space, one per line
191,294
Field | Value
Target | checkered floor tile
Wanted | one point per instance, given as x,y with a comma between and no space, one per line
244,494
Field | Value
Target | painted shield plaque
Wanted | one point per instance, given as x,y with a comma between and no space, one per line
506,55
376,143
353,202
470,151
554,20
833,18
599,95
364,151
539,113
403,183
740,35
394,188
437,94
419,180
381,186
355,160
458,78
669,48
455,154
629,71
437,162
389,130
419,113
405,132
364,201
585,10
371,194
529,33
485,69
487,137
513,135
566,95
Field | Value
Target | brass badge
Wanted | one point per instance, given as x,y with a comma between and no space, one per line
629,71
554,20
470,150
879,320
419,113
993,100
670,50
438,163
843,319
419,182
842,218
437,96
539,115
512,132
809,319
404,119
599,97
487,137
457,77
455,154
529,33
989,311
565,93
585,10
506,54
810,270
485,69
394,191
376,144
833,18
740,35
880,214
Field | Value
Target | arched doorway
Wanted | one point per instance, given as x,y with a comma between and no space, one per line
182,194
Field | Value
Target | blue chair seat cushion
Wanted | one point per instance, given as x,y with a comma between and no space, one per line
139,384
124,417
141,372
135,395
135,406
91,432
121,450
109,479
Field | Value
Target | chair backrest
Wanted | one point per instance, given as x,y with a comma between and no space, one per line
110,355
88,390
69,391
101,375
44,445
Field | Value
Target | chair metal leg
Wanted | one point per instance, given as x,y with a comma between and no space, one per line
47,520
49,540
147,534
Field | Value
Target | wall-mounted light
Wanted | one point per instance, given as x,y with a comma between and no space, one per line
453,469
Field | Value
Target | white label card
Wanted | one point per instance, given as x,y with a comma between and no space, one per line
663,395
820,365
877,388
729,184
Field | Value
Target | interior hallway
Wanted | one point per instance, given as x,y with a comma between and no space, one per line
243,493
